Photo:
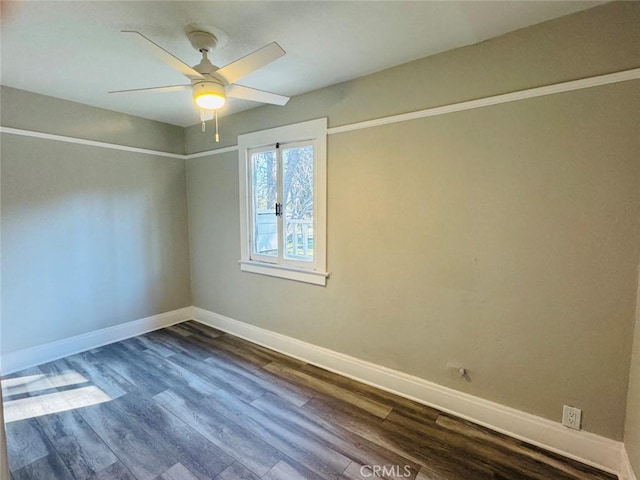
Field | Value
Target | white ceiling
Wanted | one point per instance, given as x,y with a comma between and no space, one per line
74,49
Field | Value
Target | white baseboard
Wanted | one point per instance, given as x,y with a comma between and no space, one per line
30,357
586,447
626,470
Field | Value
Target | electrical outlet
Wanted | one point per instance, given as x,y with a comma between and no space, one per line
571,417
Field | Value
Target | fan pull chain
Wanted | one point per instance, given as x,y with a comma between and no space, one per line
216,117
203,126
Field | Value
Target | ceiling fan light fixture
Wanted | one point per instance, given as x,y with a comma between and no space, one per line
209,95
209,84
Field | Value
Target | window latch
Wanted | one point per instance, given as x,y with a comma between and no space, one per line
278,209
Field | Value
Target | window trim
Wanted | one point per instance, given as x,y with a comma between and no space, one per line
316,132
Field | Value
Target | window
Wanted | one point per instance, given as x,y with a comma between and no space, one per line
283,201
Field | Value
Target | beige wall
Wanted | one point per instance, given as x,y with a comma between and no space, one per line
632,424
91,237
504,238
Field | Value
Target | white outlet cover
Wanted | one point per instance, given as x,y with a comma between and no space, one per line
571,417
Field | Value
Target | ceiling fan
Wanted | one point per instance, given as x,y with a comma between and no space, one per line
211,85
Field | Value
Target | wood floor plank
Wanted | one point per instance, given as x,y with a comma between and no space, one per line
252,451
267,354
225,377
203,458
132,344
393,439
439,453
127,438
99,374
79,447
31,454
156,344
195,348
178,376
116,471
264,380
237,471
49,467
294,392
179,330
252,353
154,365
320,386
428,436
398,403
220,379
177,472
27,443
201,329
350,445
307,451
352,472
289,470
476,432
418,413
145,377
442,469
191,328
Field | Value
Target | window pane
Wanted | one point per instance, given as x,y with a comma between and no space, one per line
297,166
265,190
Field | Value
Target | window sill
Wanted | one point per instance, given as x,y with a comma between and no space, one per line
282,271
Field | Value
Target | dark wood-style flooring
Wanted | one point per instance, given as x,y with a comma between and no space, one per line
191,403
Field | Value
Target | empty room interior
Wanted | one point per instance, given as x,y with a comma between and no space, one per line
320,240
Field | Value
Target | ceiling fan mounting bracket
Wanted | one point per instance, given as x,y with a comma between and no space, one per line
202,41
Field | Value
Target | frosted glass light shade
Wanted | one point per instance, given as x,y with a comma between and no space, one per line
209,95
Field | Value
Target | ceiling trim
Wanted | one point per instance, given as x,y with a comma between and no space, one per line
599,80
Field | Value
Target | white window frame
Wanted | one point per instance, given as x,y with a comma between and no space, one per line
313,131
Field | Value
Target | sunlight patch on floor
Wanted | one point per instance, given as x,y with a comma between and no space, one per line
53,403
35,383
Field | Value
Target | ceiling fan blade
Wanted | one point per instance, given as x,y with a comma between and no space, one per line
169,88
255,95
163,55
244,66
